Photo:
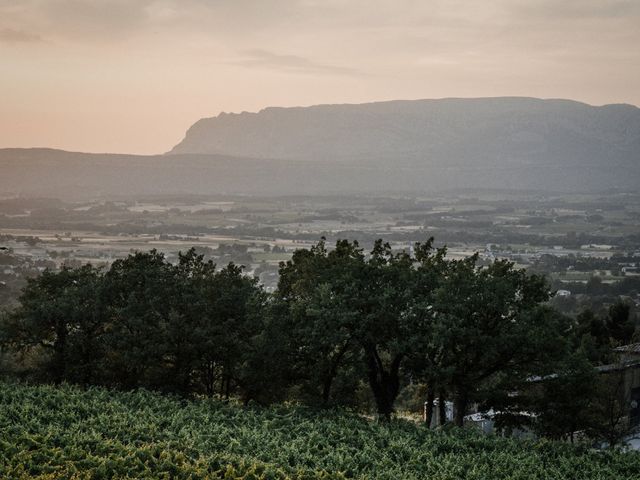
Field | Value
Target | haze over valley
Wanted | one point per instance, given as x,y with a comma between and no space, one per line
401,147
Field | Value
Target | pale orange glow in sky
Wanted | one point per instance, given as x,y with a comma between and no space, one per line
131,76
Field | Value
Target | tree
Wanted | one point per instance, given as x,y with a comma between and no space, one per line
181,327
489,327
610,421
564,400
187,338
459,327
234,321
344,304
384,301
140,292
593,337
595,286
314,293
61,313
620,324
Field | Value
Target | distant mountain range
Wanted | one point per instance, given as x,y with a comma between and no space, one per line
395,147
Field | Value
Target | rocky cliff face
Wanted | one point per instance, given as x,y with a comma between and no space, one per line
492,133
390,147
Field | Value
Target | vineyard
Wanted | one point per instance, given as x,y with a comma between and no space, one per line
69,433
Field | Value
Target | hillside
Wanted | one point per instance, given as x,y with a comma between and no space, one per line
56,173
403,147
516,134
66,432
61,174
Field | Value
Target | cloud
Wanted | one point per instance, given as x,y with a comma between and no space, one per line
578,9
97,18
291,63
10,35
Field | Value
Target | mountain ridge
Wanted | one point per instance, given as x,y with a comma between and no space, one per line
412,132
395,147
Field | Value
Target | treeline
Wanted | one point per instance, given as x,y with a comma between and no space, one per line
142,323
343,327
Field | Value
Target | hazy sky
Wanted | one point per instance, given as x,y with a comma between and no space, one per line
133,75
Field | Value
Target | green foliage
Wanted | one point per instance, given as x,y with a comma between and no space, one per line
620,323
491,329
453,324
67,433
565,399
355,313
143,323
60,313
598,333
341,322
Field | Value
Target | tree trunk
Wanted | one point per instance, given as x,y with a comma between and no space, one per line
59,352
333,372
385,384
223,379
209,378
326,390
460,403
428,407
227,388
87,363
180,376
442,408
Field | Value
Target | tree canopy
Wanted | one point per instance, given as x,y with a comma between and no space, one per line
345,326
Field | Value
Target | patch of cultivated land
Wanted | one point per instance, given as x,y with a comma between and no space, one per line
66,432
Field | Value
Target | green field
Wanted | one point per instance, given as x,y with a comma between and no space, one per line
69,433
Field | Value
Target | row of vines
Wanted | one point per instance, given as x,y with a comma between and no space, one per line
69,433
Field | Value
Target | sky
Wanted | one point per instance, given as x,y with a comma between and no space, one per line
130,76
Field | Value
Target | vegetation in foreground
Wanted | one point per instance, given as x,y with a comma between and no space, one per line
343,328
66,432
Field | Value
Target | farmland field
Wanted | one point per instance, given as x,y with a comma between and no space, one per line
66,432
